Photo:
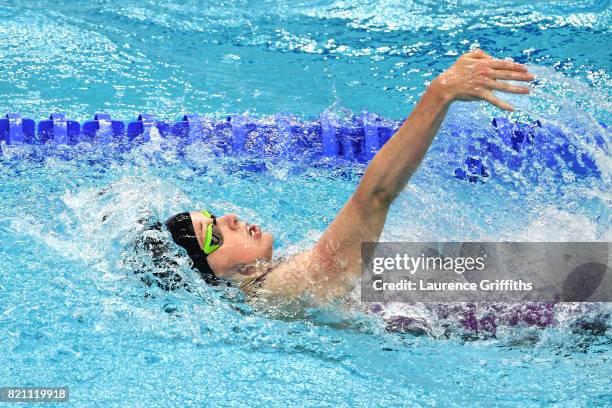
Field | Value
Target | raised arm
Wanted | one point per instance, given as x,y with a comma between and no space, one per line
329,268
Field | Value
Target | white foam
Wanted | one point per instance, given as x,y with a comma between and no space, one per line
555,225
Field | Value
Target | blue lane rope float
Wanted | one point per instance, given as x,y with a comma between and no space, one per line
509,145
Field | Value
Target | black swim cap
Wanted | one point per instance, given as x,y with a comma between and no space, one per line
183,234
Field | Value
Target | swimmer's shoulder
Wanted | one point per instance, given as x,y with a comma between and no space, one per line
297,277
284,280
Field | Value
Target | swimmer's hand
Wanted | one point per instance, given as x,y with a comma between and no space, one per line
474,76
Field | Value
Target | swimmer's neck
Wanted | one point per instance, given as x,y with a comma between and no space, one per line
245,276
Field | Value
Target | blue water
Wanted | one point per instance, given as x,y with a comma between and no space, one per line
71,311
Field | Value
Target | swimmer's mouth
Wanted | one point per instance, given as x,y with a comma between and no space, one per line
254,230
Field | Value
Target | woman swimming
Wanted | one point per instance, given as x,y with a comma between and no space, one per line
229,249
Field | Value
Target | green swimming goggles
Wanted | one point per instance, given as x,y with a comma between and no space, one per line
213,238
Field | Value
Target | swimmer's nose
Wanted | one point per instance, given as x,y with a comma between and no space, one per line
231,220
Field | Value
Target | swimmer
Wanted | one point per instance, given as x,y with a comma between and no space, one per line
225,248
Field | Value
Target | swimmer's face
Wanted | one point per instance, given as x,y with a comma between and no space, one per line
243,243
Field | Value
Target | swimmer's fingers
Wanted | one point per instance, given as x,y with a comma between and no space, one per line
512,75
505,87
493,100
479,54
507,65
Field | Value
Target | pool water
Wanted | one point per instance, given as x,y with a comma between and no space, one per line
71,310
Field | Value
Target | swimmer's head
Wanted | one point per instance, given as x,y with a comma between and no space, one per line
222,244
243,243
